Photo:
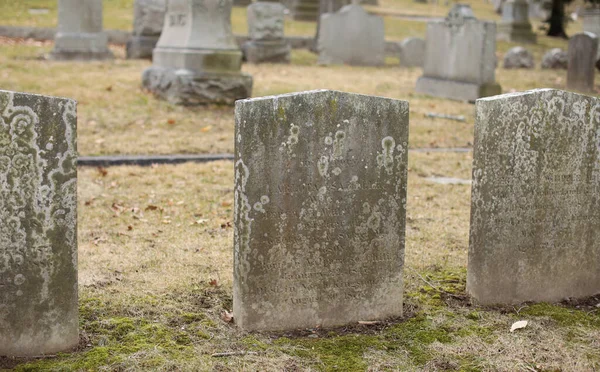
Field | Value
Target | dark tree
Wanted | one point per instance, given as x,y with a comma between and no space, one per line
557,19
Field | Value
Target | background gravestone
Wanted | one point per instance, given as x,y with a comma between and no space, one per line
80,35
518,57
515,25
265,30
149,16
460,57
351,36
535,207
38,225
320,195
583,49
412,52
197,60
555,58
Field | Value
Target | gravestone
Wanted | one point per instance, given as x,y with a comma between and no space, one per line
304,10
412,52
38,225
591,23
515,25
197,60
351,36
518,57
148,19
535,206
555,58
79,35
583,49
265,30
320,200
460,57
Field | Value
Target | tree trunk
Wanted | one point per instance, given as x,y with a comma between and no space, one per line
557,20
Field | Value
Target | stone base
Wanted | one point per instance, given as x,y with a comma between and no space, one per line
516,33
141,47
64,55
456,90
266,51
80,46
185,87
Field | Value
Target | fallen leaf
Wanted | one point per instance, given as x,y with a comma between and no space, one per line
103,171
368,322
226,204
129,227
213,282
109,88
151,208
518,325
206,129
227,316
171,121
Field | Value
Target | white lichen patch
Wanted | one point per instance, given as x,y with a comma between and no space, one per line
323,166
385,158
339,143
337,171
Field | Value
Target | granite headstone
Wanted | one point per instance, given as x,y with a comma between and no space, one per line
265,30
583,49
148,20
515,25
412,52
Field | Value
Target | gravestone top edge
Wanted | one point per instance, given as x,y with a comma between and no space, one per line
523,93
586,33
37,95
313,92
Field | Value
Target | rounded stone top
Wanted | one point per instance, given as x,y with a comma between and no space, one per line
460,12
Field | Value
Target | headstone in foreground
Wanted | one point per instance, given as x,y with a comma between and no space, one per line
515,25
80,35
265,30
412,52
460,57
38,225
535,207
197,60
583,49
320,196
148,20
351,36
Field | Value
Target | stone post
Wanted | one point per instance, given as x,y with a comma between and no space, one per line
515,25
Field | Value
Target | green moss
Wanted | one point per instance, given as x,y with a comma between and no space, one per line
563,316
254,344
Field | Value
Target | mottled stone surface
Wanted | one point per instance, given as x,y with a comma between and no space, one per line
460,57
535,207
304,10
80,35
351,36
583,49
265,30
38,225
555,59
148,20
320,196
197,59
412,52
515,25
518,57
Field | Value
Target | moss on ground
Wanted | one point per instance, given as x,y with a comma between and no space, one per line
564,316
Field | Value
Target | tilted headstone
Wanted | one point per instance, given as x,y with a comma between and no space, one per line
320,200
412,52
351,36
265,30
518,57
80,35
583,49
197,59
555,59
38,225
460,57
535,206
148,20
515,25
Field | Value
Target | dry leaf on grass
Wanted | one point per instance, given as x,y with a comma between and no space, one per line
518,325
227,316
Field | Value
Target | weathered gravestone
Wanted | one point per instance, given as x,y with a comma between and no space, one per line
412,52
38,225
460,57
197,60
265,29
148,20
320,196
535,207
583,49
80,35
515,25
518,57
351,36
304,10
555,58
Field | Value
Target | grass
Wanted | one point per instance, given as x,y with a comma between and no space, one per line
155,272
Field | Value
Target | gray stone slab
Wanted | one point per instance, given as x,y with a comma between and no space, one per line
320,200
412,52
38,225
535,206
518,57
583,49
79,35
148,20
460,57
515,25
555,58
197,59
351,36
265,30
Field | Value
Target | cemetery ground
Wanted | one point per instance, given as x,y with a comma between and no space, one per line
155,243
